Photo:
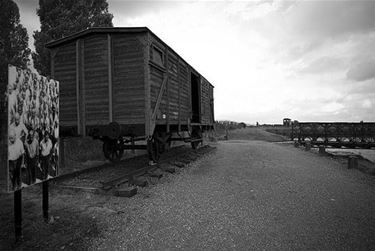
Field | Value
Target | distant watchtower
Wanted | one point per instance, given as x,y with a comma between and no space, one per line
287,122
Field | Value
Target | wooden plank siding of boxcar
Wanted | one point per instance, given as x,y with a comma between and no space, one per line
65,72
184,93
175,103
205,102
173,93
212,108
96,94
128,78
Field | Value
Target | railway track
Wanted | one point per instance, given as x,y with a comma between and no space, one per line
123,178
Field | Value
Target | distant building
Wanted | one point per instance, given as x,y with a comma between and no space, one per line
242,125
287,122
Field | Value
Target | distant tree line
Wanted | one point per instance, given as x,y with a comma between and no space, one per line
229,125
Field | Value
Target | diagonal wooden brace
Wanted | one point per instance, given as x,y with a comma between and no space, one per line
158,101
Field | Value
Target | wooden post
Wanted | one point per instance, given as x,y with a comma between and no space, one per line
352,162
45,201
292,133
322,150
18,214
110,89
308,146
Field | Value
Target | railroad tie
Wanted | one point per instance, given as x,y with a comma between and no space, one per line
125,192
156,173
178,164
137,181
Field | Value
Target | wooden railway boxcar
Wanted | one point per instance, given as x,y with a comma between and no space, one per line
125,84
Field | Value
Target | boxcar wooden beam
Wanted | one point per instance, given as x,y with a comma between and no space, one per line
77,87
53,55
146,66
110,94
82,87
179,93
168,69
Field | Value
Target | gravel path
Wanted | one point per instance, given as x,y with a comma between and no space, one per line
247,195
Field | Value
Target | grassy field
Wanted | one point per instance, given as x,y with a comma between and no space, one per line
255,133
281,130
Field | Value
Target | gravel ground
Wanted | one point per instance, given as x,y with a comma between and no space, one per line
251,195
246,195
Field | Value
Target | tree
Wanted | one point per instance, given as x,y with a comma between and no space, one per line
60,18
13,50
13,43
13,37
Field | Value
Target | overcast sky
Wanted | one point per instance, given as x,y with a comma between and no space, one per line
306,60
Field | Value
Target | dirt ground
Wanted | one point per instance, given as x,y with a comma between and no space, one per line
74,215
253,191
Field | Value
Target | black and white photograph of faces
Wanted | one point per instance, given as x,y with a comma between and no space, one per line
33,128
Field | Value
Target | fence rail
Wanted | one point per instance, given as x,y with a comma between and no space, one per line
336,134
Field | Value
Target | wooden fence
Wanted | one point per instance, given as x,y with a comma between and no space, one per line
336,134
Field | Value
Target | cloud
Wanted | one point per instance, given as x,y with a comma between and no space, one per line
307,60
330,19
323,65
362,70
131,9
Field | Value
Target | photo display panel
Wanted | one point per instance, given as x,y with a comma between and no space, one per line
33,128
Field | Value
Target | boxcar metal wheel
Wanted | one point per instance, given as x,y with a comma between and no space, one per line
153,149
195,144
163,142
112,150
196,134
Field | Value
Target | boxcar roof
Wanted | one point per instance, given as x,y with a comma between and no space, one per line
89,31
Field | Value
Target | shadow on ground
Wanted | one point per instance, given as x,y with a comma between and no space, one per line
69,227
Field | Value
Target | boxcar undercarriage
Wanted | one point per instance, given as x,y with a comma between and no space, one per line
117,138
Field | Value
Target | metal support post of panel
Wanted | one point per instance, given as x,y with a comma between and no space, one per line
18,214
45,200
